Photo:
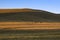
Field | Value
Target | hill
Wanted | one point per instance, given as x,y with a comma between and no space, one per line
25,15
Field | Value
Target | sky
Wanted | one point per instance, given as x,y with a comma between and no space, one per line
48,5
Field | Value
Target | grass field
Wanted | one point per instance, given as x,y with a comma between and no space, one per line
30,25
30,34
29,31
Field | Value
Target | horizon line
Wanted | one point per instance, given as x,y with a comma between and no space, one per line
30,8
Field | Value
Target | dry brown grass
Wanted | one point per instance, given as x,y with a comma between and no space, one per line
16,10
30,25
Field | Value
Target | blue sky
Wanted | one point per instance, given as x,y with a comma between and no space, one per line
48,5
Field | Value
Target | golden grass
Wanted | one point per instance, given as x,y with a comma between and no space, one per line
30,25
16,10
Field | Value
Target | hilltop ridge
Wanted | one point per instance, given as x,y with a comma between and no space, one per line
26,14
20,10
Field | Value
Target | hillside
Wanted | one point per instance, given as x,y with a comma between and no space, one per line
33,15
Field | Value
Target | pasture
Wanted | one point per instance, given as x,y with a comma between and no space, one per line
30,34
30,25
29,31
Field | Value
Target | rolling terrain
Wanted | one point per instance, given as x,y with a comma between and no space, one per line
29,24
27,15
28,19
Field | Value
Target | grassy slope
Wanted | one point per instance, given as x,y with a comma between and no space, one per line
29,34
18,15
